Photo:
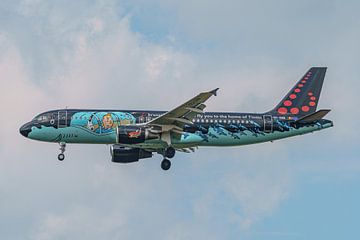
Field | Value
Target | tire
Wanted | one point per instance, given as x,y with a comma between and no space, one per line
165,164
170,152
61,157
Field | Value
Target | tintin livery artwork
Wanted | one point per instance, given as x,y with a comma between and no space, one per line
136,134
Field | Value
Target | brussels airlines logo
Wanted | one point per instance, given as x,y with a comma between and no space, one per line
135,134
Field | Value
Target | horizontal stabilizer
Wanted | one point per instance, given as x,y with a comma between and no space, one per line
314,116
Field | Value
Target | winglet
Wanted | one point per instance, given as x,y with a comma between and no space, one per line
214,92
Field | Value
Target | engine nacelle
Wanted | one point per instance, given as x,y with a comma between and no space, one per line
131,134
127,155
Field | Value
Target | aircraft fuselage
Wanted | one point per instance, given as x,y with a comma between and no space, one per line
208,129
136,134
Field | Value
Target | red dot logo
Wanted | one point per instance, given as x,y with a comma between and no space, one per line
303,81
305,108
310,93
297,90
294,111
312,104
313,98
292,96
282,110
306,78
287,103
300,85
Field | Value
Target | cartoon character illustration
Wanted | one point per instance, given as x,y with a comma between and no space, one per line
234,135
282,126
203,136
242,129
220,130
186,135
256,129
135,134
90,125
212,135
107,121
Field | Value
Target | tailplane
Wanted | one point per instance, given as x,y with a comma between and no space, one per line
313,117
303,98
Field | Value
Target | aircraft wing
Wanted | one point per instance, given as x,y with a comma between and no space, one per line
184,113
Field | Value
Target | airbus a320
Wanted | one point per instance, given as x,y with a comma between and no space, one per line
138,134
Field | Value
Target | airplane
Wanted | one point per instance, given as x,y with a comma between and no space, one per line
138,134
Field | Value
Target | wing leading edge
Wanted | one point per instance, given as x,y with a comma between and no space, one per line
183,114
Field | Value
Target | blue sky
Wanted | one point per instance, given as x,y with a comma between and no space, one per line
155,55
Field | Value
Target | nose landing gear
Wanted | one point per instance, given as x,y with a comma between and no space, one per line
61,155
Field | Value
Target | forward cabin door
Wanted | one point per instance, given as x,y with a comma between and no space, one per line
268,123
62,119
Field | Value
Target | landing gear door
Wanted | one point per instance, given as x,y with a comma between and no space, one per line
62,119
268,123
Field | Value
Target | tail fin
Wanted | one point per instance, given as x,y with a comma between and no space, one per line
304,96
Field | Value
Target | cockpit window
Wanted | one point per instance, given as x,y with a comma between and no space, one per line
45,117
36,118
42,118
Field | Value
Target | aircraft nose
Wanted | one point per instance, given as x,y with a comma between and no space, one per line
25,129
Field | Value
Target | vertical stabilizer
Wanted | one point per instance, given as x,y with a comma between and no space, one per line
303,98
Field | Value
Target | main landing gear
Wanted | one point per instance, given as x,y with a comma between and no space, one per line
61,155
165,164
168,153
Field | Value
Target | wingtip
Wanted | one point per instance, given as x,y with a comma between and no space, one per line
214,92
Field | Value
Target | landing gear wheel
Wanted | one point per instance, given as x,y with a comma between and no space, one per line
61,157
170,152
165,164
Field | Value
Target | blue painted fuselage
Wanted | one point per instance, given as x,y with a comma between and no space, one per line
208,129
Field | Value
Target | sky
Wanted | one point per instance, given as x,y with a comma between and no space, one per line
156,54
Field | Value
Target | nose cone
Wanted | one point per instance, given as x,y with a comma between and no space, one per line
25,129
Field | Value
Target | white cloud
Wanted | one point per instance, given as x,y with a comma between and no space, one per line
94,59
18,93
252,186
81,222
258,196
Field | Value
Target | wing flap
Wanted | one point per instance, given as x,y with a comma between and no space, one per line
182,120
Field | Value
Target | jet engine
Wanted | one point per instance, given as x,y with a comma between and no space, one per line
131,134
121,154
